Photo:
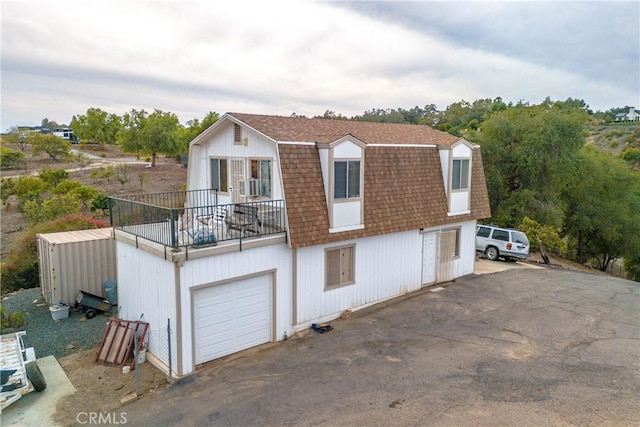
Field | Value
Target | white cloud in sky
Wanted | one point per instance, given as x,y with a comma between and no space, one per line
60,58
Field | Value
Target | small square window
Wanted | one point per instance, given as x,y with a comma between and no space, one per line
340,266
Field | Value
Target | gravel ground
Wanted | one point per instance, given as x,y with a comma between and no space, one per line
53,337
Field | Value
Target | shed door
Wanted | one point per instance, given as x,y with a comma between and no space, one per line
447,254
232,317
429,260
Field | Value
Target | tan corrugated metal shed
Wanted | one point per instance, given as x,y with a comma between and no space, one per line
75,260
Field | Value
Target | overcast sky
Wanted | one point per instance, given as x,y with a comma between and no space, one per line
60,58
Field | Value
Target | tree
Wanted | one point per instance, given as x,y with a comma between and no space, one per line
49,124
54,146
16,137
603,201
10,158
194,128
96,125
153,134
122,173
528,154
462,117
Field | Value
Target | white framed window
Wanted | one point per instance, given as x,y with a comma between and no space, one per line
460,174
261,170
346,176
219,175
339,266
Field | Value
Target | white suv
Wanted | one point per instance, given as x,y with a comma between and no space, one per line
497,242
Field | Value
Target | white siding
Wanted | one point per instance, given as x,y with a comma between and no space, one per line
347,150
347,213
444,163
146,291
385,266
203,271
461,150
220,145
459,201
324,165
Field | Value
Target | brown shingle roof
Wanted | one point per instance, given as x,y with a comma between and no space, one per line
302,129
403,187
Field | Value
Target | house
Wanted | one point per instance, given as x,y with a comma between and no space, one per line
290,221
631,116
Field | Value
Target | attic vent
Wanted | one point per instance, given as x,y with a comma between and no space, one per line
237,134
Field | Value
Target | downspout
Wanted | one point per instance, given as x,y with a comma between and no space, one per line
178,298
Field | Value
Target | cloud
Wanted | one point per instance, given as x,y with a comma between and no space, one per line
61,58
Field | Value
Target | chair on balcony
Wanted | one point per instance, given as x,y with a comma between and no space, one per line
195,232
217,222
244,218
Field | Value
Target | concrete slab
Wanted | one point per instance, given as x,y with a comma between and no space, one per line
484,266
37,409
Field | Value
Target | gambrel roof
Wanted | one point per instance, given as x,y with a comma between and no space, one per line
403,185
324,131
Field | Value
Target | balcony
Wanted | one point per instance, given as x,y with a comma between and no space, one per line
194,218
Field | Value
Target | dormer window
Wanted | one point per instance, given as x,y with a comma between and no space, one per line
460,174
346,179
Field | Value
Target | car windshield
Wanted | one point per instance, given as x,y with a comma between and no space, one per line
520,237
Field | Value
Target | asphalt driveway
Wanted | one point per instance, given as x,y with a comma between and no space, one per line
519,347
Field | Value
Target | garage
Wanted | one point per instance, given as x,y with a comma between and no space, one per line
232,316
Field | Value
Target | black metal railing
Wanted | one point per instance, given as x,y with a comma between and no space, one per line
194,218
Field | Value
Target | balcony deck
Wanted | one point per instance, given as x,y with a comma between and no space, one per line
194,218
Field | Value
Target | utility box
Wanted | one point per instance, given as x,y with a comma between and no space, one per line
75,260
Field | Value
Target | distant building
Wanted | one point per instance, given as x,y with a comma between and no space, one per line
63,132
631,116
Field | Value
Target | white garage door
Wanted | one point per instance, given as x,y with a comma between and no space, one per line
232,317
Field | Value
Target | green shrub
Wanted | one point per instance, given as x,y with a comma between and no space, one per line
25,185
630,154
547,235
105,172
11,158
54,207
614,144
12,320
53,177
66,187
100,202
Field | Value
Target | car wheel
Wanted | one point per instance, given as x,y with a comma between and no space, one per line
35,376
492,253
